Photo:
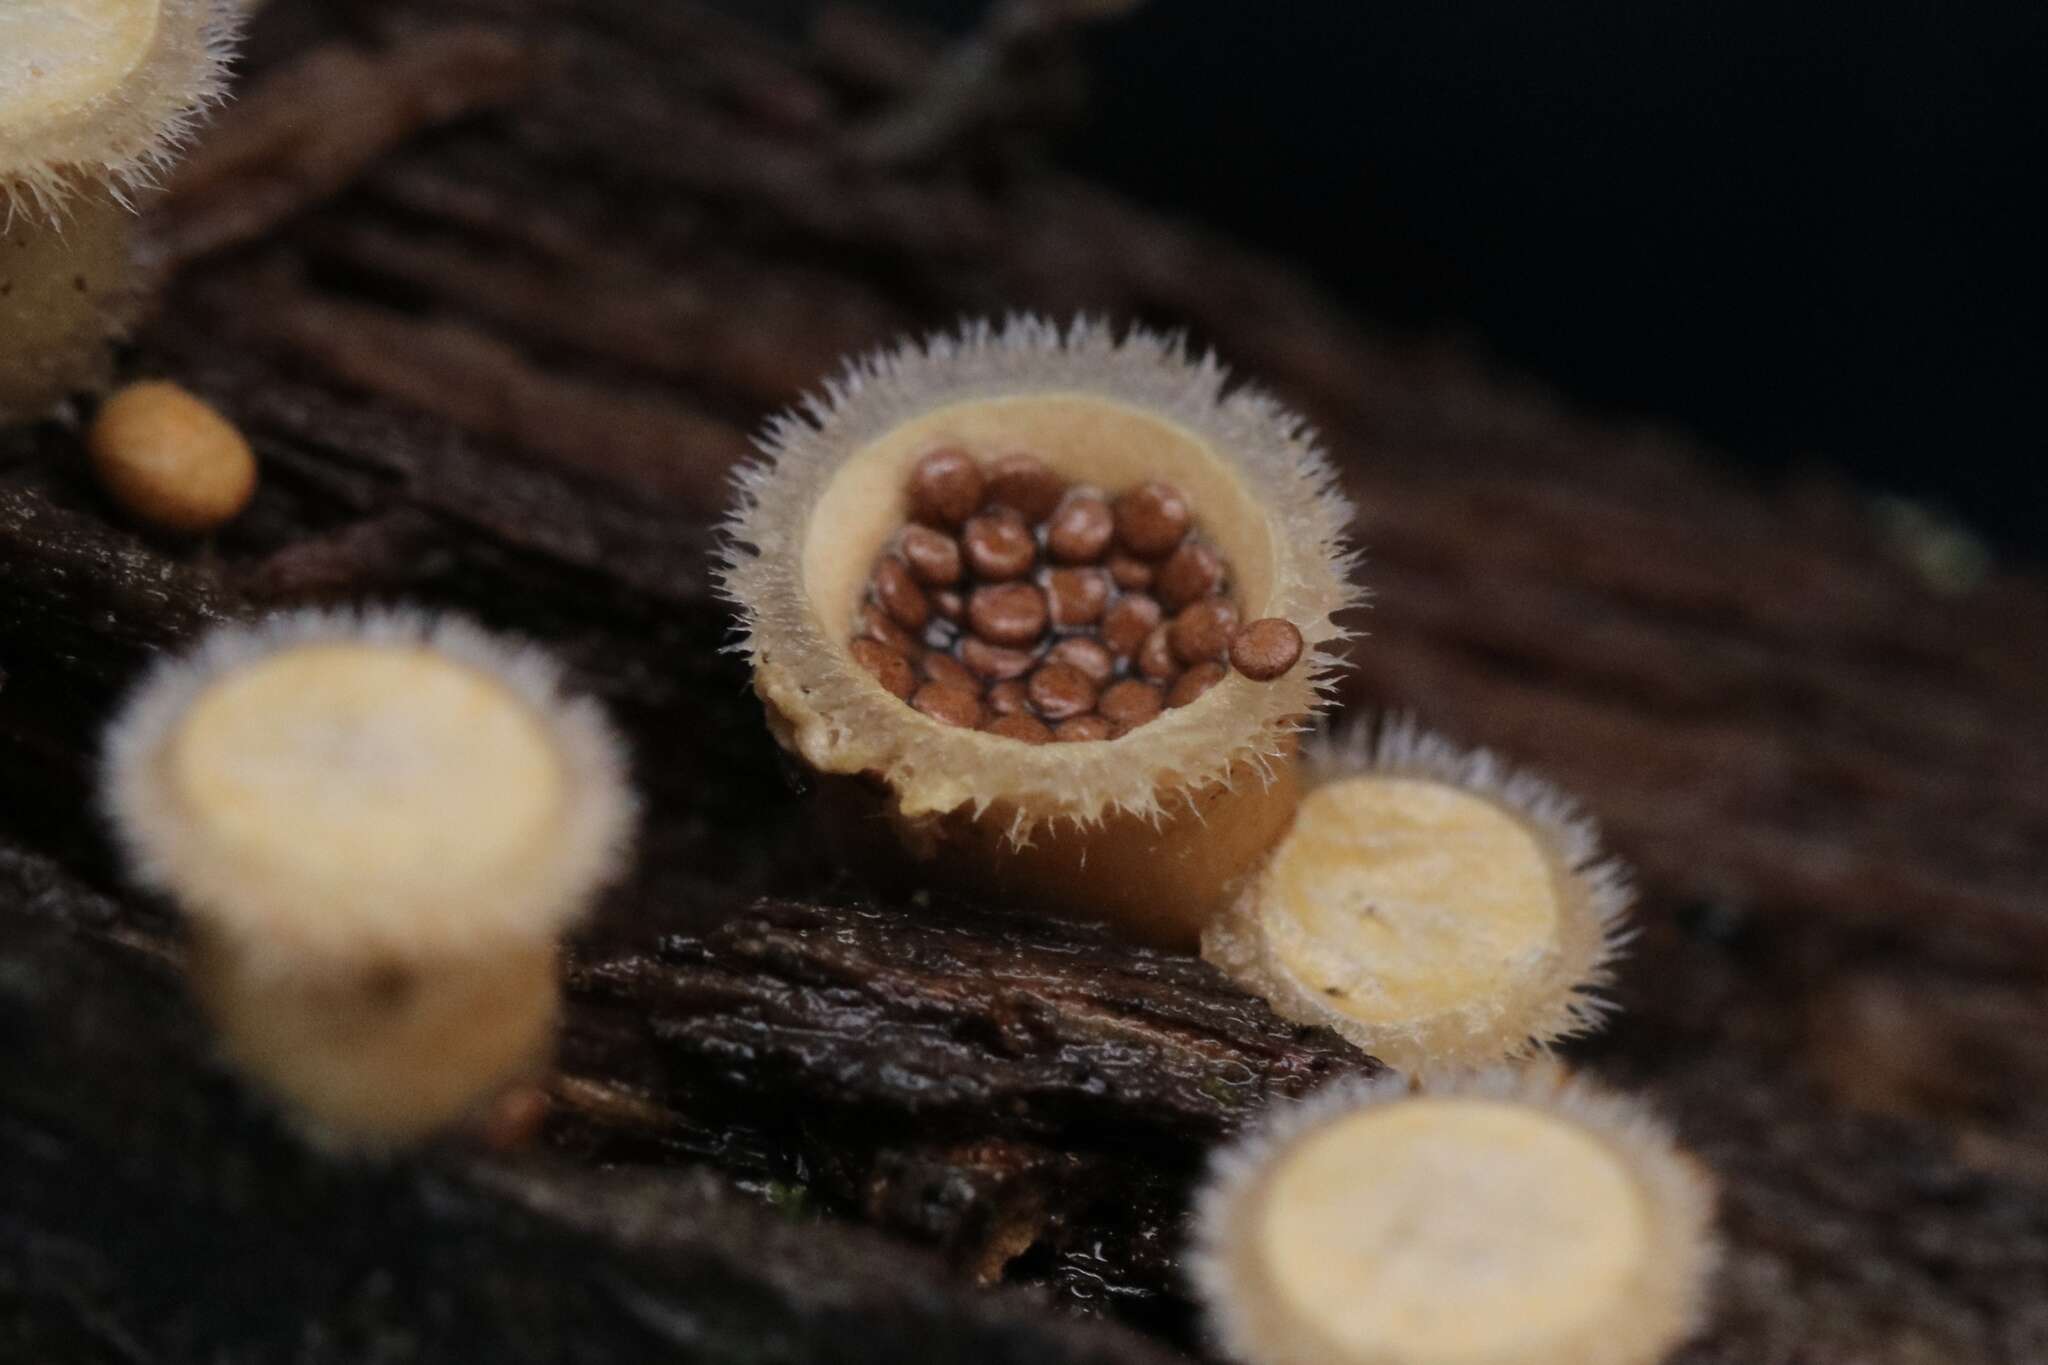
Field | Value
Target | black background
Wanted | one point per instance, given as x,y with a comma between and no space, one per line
1808,231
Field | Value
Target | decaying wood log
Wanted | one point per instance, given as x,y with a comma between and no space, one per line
152,1214
498,341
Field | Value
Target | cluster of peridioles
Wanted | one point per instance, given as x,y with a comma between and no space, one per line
379,824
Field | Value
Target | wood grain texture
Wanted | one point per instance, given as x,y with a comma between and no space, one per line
497,288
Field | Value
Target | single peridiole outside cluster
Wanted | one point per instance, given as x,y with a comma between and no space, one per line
96,96
1154,828
377,826
169,459
1509,1218
1430,904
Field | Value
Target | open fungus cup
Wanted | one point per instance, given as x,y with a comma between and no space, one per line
96,96
1154,828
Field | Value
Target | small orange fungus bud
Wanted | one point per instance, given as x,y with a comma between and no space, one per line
1048,456
169,459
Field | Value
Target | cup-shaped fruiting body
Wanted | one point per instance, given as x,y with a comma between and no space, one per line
1430,904
65,290
377,825
1153,828
95,98
1502,1219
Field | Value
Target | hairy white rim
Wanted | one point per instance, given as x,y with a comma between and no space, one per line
1310,1229
1540,989
260,875
104,92
841,721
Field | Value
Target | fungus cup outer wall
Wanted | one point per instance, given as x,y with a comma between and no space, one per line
374,1058
377,1014
1254,1319
1539,998
1162,878
63,294
74,156
1154,828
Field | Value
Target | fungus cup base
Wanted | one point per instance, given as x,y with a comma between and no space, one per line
65,292
1159,881
1430,905
1513,1218
382,1054
1153,828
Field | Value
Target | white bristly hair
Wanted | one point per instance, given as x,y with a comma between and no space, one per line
587,848
128,138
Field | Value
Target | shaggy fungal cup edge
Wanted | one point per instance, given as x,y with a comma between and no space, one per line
96,96
377,826
1152,830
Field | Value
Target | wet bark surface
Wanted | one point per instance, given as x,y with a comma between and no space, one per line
497,289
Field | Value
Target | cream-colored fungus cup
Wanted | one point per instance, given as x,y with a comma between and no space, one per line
96,96
1504,1219
1430,904
378,827
1155,829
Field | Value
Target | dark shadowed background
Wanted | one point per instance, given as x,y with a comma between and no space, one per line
1807,231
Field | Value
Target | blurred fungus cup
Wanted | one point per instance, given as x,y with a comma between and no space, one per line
1430,904
95,98
1107,450
1503,1219
377,825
